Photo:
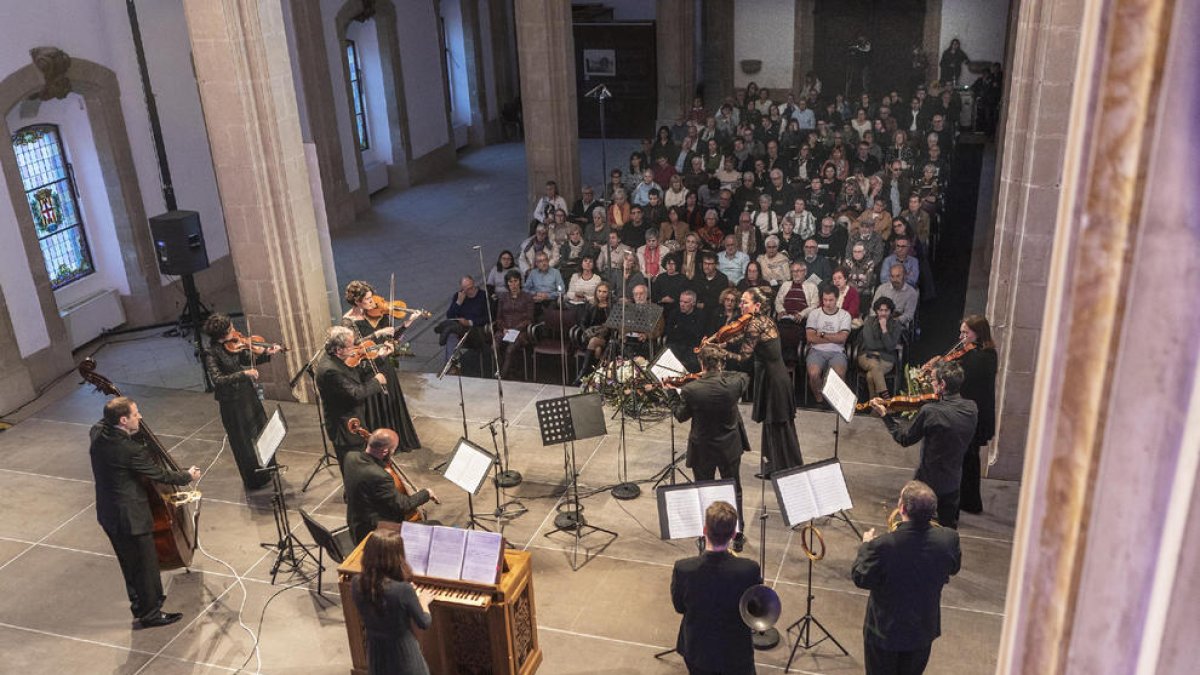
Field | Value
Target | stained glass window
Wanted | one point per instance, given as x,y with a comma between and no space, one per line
50,192
356,93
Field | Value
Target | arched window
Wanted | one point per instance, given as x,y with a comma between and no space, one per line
356,92
50,192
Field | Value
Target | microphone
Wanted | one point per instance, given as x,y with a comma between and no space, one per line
476,247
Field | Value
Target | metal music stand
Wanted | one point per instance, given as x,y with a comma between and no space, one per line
327,459
289,550
566,420
456,359
843,399
660,365
635,318
468,468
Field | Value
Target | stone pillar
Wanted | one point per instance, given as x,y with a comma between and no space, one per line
241,60
931,36
803,45
675,37
547,58
717,45
476,83
1102,571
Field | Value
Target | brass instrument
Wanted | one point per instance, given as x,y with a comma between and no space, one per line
893,520
810,535
760,607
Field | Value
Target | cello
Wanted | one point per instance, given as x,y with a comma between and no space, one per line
404,484
176,512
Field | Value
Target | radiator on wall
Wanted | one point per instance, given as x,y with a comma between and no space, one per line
89,318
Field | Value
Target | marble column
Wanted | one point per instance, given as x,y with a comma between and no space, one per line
675,36
244,77
717,47
547,58
1104,554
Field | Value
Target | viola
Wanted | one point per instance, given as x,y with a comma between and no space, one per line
897,404
397,309
237,343
727,332
401,480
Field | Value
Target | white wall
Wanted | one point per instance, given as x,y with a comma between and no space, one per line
420,54
337,78
764,30
366,38
981,26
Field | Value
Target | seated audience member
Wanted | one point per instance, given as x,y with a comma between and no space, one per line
773,262
466,315
591,318
616,181
572,251
877,347
638,343
684,330
581,210
641,193
831,241
727,313
544,282
901,229
697,176
731,261
662,171
916,217
689,257
817,264
790,243
596,231
514,313
669,285
749,239
556,229
803,220
727,213
633,234
753,278
796,299
582,287
618,211
694,208
654,214
827,330
765,218
847,295
676,193
673,230
903,296
623,280
709,283
745,197
649,256
901,256
865,235
710,232
612,253
860,272
543,211
539,242
495,278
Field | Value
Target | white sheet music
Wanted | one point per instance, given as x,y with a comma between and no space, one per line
417,538
270,438
668,365
467,467
511,335
446,550
482,558
716,493
684,517
813,493
840,396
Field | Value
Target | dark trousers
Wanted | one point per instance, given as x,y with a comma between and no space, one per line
139,565
971,500
730,469
883,662
947,510
692,670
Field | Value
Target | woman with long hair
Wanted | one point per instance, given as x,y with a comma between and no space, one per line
495,278
664,146
591,319
390,607
979,385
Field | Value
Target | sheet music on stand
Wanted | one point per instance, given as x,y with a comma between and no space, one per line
811,491
270,438
453,553
638,318
840,396
469,465
667,365
570,418
681,507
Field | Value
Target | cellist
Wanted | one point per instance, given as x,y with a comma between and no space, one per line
371,492
119,465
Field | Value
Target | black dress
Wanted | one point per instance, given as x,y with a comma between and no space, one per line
979,385
241,410
774,395
388,411
392,649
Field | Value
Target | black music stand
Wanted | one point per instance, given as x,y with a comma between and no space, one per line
665,366
468,468
566,420
328,459
289,550
842,399
635,318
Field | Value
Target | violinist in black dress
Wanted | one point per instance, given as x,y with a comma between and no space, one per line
233,371
388,411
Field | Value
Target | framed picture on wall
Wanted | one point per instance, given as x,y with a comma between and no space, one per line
599,63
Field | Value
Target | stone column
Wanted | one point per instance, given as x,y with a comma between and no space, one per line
476,85
803,45
547,58
717,46
1096,205
931,37
241,59
504,56
675,36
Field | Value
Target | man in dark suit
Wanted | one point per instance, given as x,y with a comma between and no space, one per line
371,494
905,571
718,436
706,590
343,390
119,465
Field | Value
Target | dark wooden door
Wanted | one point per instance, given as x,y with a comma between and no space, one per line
892,26
622,57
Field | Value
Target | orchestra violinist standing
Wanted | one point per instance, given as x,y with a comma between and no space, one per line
344,389
371,492
120,464
233,369
370,320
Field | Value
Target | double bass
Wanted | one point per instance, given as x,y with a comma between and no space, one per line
176,512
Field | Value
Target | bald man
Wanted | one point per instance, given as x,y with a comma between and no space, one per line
371,494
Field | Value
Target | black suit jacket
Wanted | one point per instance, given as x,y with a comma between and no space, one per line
119,463
905,571
706,590
344,392
718,434
371,495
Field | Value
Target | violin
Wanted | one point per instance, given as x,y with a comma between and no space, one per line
727,332
680,380
237,343
898,404
401,480
365,350
955,353
397,309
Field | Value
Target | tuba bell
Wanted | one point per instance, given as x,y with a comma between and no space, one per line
760,607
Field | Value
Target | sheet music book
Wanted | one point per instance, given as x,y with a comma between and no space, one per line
840,396
453,553
811,491
667,365
447,547
681,507
481,561
469,466
270,437
417,539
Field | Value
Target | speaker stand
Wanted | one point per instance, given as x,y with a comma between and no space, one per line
192,318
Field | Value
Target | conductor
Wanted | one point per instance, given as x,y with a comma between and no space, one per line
718,436
706,590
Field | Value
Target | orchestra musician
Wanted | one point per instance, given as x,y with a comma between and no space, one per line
119,465
234,375
343,389
390,607
370,321
371,492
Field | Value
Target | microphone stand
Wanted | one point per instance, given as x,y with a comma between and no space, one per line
327,459
769,638
624,489
456,359
506,477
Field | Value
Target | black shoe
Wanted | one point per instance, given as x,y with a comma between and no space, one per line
739,542
763,476
163,619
